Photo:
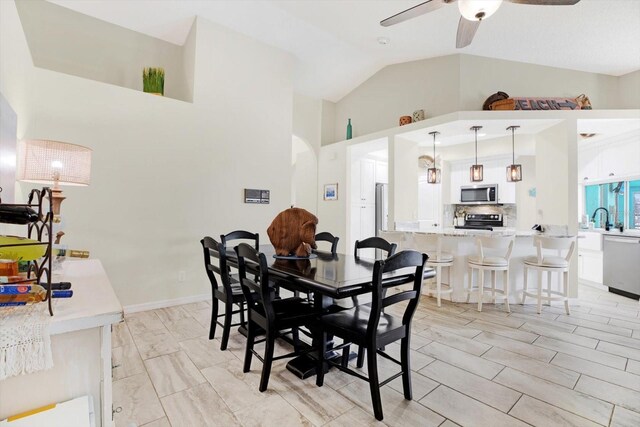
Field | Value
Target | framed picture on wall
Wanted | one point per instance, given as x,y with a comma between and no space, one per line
331,191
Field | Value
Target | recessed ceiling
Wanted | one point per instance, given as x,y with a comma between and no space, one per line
336,41
459,131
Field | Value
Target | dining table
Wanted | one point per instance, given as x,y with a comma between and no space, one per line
328,278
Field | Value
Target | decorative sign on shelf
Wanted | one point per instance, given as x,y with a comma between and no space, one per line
260,197
526,103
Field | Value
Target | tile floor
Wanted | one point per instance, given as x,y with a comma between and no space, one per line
469,368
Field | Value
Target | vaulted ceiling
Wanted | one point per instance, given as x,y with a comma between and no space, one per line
336,44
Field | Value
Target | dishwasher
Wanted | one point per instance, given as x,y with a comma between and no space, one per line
622,265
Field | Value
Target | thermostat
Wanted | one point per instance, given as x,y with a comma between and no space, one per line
256,196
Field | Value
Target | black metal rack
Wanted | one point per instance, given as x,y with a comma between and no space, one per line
42,231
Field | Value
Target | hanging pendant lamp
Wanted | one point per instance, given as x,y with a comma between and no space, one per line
514,172
476,169
434,174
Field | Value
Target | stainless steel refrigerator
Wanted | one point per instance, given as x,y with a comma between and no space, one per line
382,207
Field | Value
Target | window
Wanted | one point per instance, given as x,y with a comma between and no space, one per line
610,196
634,204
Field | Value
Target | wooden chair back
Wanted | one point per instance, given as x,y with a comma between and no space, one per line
499,245
327,237
558,244
375,243
215,261
256,287
408,259
240,235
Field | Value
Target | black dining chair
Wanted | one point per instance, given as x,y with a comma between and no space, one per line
387,249
240,235
369,327
331,239
377,243
267,314
230,293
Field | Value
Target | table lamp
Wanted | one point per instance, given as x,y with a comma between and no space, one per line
52,162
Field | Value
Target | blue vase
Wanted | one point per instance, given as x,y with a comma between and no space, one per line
349,130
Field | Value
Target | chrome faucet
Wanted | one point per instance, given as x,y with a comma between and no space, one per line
607,226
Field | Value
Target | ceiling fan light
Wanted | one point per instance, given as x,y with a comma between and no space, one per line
476,10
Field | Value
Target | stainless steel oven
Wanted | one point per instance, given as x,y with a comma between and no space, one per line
483,194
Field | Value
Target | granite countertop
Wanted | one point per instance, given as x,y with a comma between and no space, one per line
613,232
457,232
497,231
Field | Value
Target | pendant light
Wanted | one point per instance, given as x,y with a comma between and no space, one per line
514,172
476,169
434,174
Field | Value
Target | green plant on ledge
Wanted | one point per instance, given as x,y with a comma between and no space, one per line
153,80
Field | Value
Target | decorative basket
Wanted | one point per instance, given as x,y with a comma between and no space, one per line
405,120
503,104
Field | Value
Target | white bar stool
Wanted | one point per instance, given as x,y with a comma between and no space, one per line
492,263
550,264
431,244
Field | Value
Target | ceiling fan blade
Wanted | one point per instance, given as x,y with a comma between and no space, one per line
546,2
466,30
412,12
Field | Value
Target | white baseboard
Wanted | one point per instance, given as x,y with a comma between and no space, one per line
135,308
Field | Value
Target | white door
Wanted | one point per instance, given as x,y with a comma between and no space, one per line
367,221
368,181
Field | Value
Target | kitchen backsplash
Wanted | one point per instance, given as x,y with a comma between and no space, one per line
508,211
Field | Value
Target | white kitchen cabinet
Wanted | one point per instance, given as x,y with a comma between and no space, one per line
363,222
363,181
608,159
494,172
368,181
590,266
429,201
588,164
81,349
459,176
620,160
364,175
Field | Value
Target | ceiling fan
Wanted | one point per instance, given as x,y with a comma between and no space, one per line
472,11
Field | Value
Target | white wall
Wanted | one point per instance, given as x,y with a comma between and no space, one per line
8,134
480,77
63,40
307,120
328,120
305,181
629,90
398,90
403,180
556,175
165,172
462,83
332,215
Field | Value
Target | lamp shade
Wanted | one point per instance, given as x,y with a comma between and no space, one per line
44,162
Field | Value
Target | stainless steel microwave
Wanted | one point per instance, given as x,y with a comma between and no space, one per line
483,194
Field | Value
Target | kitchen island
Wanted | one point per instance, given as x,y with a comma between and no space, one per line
461,243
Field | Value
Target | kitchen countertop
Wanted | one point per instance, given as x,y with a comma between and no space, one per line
613,232
497,231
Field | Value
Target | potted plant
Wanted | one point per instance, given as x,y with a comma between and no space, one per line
153,80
